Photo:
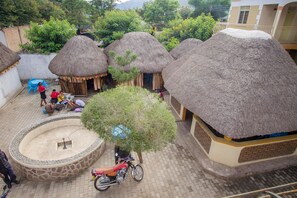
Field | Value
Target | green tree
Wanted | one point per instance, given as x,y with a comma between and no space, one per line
200,28
172,43
48,37
15,13
76,11
49,9
151,125
115,24
217,8
120,75
159,12
185,11
99,7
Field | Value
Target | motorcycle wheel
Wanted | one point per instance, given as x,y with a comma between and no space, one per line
137,173
98,182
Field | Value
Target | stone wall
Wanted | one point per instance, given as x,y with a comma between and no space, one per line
50,170
60,172
14,37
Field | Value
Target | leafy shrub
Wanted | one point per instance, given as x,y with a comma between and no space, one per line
116,23
199,28
49,37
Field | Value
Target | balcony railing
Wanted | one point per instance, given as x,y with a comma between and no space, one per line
284,34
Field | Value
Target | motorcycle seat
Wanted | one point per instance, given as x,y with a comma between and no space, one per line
111,171
107,171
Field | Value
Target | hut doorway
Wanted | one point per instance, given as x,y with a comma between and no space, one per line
188,119
90,84
148,81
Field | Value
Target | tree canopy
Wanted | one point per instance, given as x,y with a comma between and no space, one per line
99,7
199,28
77,12
18,13
159,12
151,125
48,37
217,8
115,24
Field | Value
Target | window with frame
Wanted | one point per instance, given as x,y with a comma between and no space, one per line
243,14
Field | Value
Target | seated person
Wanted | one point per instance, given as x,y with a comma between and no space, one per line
54,96
49,108
77,104
61,97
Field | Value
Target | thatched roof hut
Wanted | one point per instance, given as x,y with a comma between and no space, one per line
8,58
152,57
184,47
79,60
242,83
176,64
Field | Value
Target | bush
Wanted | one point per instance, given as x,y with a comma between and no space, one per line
116,23
199,28
49,37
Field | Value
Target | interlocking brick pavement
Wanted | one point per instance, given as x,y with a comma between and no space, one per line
172,172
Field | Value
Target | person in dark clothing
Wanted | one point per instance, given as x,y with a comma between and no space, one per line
4,175
6,170
120,153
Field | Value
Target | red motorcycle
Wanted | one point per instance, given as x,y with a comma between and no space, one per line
105,177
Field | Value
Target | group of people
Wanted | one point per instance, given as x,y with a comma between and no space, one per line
6,171
58,101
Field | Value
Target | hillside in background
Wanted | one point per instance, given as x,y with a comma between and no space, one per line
138,4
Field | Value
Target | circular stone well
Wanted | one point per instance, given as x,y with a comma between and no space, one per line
55,148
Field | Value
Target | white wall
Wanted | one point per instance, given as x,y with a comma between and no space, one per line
9,85
2,38
35,66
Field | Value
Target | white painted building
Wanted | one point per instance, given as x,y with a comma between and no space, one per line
10,82
275,17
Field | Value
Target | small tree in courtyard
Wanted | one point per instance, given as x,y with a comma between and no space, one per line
120,75
151,125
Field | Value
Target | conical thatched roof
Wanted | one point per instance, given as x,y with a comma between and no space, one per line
175,65
7,57
242,83
79,57
152,57
185,46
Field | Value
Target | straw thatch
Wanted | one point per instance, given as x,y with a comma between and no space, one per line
175,65
152,57
184,47
79,57
8,58
242,87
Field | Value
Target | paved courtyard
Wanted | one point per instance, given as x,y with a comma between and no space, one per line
172,172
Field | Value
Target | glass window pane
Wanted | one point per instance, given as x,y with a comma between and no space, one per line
246,15
240,16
